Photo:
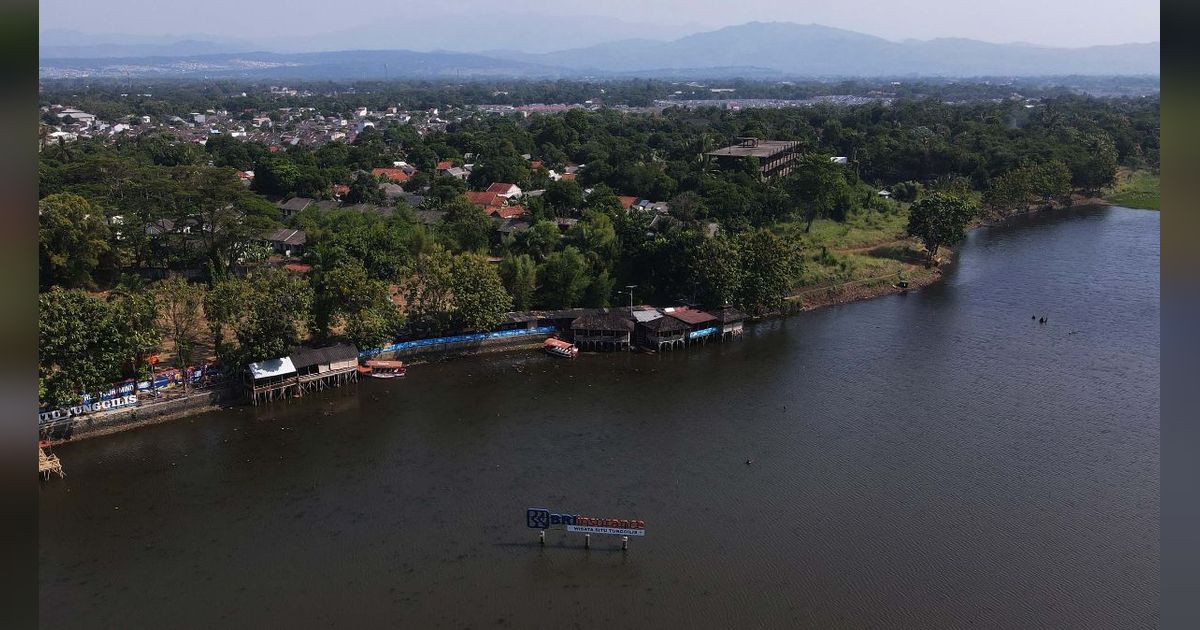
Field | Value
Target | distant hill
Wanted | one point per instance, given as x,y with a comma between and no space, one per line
814,50
756,49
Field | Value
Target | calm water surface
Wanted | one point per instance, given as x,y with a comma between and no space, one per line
929,460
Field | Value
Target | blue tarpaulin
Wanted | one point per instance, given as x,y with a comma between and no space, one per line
437,341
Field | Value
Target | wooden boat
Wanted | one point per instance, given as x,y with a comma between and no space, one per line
560,348
378,368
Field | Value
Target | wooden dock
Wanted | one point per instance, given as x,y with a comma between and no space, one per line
48,463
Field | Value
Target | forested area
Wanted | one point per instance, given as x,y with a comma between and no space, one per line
124,222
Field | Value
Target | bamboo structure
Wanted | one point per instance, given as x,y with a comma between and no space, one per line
48,463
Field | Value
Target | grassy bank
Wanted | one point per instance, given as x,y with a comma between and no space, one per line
1134,189
868,250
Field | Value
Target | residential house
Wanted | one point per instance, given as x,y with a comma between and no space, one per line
392,174
506,190
485,200
507,212
286,241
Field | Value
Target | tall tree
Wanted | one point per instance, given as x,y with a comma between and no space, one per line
466,227
73,240
179,304
480,300
563,278
769,267
819,186
428,292
519,274
939,219
715,271
79,345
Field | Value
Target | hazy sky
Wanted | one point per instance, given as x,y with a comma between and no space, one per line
1050,22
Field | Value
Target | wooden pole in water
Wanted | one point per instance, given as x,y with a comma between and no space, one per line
542,537
624,543
587,541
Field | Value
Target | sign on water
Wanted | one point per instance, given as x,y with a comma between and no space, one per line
541,518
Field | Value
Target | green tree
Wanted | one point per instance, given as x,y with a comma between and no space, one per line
540,239
715,271
480,300
73,240
268,313
346,297
819,186
939,219
466,227
563,195
79,345
180,304
365,189
519,274
563,279
599,290
428,292
769,267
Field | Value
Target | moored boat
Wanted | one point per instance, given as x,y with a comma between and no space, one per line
379,368
560,348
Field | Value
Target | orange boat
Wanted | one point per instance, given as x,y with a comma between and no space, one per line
560,348
378,368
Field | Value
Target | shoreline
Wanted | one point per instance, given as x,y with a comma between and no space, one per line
809,299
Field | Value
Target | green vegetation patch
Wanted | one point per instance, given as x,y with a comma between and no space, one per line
1137,189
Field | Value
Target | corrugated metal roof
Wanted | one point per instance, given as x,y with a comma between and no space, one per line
303,356
273,367
646,316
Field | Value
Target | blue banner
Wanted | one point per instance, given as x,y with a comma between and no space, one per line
703,332
437,341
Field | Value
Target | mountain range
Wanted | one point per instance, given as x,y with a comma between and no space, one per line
759,49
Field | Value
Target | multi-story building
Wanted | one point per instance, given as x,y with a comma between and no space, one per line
775,157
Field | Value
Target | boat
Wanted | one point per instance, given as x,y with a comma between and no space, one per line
560,348
378,368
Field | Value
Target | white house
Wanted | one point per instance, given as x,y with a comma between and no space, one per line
508,191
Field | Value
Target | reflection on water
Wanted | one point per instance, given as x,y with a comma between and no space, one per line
928,460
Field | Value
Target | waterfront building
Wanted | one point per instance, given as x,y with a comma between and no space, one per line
603,330
329,366
775,157
701,325
664,333
271,379
730,320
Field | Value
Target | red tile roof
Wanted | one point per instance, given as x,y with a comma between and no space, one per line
627,202
535,164
570,177
508,212
499,188
445,164
340,189
484,199
692,316
298,268
393,174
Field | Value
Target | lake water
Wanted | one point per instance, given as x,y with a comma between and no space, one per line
930,460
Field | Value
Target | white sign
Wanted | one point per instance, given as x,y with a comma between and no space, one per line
79,410
619,531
